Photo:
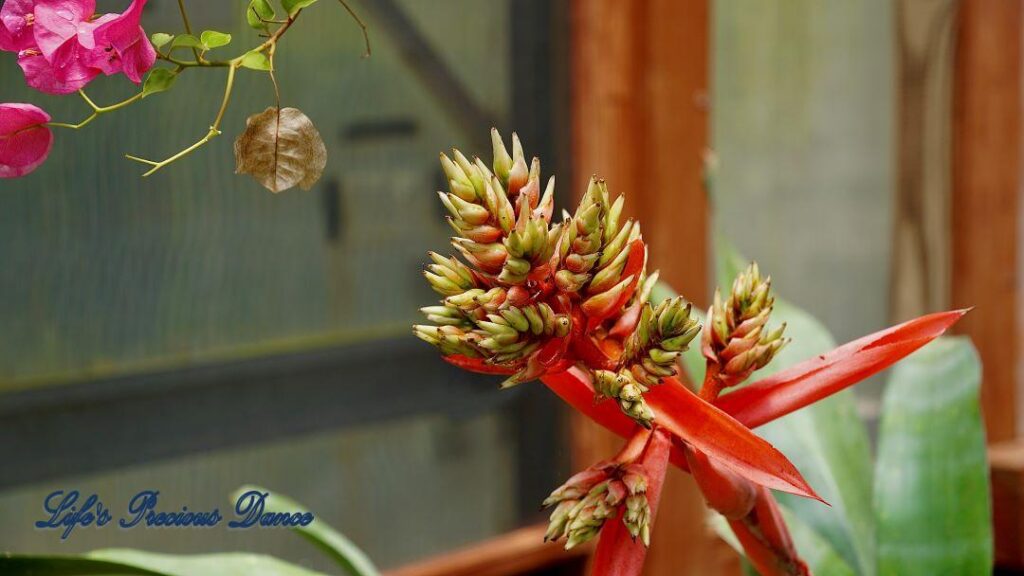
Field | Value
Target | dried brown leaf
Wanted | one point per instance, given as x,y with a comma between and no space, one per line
281,148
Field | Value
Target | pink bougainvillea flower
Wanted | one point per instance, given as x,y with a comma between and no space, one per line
121,45
16,19
58,23
61,45
42,75
25,139
63,32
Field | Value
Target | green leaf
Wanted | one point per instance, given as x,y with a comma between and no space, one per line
158,80
293,6
932,499
815,550
826,441
212,39
186,41
160,39
829,444
321,534
122,561
256,61
257,12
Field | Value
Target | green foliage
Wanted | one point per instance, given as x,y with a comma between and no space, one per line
322,535
931,481
258,12
930,512
292,7
186,41
123,561
826,441
158,80
160,39
819,554
256,61
213,39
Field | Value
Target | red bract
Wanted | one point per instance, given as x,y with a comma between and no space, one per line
25,140
617,551
818,377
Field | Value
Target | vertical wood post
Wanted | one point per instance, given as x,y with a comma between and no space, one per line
640,120
986,207
987,255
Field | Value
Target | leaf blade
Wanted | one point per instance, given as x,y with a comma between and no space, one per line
258,12
125,561
815,550
214,39
280,149
292,7
158,80
932,498
331,542
186,41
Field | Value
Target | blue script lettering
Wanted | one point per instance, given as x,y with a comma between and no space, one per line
142,507
250,508
64,513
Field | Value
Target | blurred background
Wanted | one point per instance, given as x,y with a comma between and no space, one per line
191,332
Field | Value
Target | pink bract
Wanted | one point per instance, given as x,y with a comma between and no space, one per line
16,25
62,47
25,140
57,26
122,46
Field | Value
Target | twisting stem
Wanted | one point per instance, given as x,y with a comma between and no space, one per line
210,135
194,63
96,111
88,100
188,26
359,21
273,78
232,66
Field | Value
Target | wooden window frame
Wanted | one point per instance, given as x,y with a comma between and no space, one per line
986,222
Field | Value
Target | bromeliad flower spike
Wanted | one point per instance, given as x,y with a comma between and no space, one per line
569,303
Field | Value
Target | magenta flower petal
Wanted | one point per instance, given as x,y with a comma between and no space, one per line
25,140
57,23
16,23
121,45
43,76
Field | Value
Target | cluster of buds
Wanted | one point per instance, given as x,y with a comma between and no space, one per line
537,296
588,499
501,307
501,221
651,353
594,250
735,340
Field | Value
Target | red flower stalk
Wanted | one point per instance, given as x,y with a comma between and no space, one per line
568,303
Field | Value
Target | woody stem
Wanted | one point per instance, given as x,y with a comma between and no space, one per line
188,27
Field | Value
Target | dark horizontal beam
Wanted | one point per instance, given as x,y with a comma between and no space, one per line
86,427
